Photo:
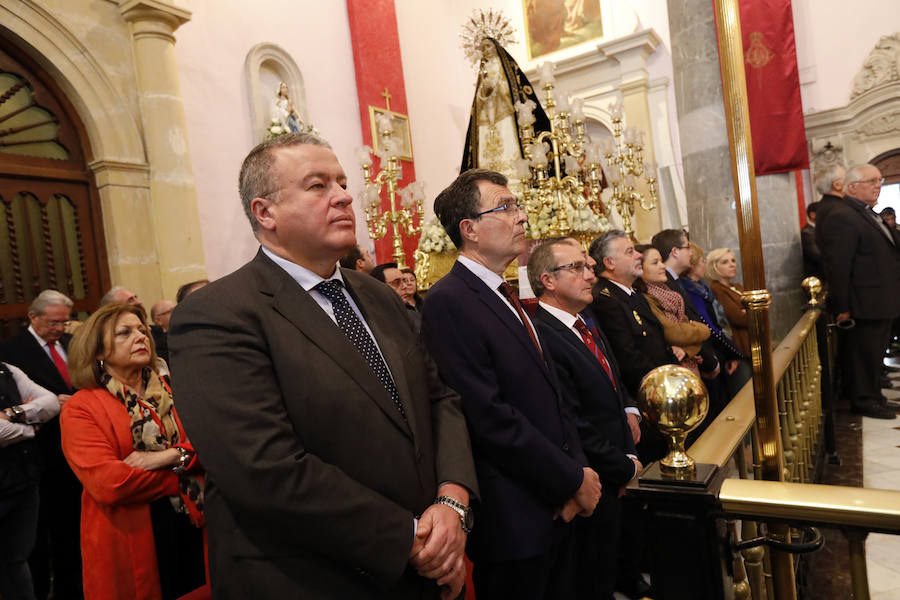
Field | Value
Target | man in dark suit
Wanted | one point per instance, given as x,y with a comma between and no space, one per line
561,276
40,351
531,471
338,464
812,257
830,184
861,256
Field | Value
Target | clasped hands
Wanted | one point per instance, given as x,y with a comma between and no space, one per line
585,499
440,543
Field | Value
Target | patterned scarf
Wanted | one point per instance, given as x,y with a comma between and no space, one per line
153,429
671,301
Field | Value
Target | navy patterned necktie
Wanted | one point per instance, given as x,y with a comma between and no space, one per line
357,333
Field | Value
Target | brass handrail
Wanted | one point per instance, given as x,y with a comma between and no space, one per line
723,436
840,506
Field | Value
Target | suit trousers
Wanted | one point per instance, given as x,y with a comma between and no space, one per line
18,524
598,538
863,356
550,576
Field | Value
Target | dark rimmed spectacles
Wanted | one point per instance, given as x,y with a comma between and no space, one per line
511,207
575,267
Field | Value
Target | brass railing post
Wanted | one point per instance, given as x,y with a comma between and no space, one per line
756,298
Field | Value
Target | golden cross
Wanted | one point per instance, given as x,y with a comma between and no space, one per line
387,98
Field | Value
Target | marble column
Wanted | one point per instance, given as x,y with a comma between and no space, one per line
707,171
175,216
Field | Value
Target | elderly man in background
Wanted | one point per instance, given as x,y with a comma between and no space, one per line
533,475
338,463
861,256
41,352
161,313
831,185
120,294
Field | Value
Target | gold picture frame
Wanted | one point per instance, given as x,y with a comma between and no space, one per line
401,132
549,28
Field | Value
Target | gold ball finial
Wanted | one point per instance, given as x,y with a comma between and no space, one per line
813,287
676,401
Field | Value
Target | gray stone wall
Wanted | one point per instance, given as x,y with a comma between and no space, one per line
712,216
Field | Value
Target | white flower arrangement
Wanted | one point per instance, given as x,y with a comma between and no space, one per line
277,128
434,238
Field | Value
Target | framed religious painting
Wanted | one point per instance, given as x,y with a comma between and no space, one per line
552,25
400,124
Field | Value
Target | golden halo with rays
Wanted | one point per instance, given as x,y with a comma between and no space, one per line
482,25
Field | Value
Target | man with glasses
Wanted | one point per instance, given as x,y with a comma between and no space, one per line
561,275
861,258
41,352
532,473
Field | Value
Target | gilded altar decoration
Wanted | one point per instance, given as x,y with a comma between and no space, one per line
405,219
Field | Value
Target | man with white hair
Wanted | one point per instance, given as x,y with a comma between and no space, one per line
861,257
831,185
40,351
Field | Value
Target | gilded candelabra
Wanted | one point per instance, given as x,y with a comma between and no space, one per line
404,221
560,173
623,159
562,169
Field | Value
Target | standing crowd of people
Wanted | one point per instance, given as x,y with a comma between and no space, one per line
336,437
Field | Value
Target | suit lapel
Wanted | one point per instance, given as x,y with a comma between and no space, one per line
296,305
41,361
863,212
502,311
575,342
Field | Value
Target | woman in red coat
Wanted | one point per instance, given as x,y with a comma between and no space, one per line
141,533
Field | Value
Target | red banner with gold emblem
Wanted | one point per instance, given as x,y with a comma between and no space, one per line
773,86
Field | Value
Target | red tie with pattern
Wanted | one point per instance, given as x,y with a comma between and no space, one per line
510,294
60,363
591,343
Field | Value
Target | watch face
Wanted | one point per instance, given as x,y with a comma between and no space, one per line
469,519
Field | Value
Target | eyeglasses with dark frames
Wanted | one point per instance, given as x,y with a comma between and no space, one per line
576,267
509,206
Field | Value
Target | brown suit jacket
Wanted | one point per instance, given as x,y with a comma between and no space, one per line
313,475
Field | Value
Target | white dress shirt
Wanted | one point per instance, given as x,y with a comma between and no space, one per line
41,409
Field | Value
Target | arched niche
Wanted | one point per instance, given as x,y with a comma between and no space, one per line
266,66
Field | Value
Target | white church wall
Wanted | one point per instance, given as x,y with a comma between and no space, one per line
211,50
833,40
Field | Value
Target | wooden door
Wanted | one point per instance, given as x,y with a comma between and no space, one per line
51,229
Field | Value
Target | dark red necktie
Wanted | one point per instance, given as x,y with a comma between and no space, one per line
510,294
592,345
60,364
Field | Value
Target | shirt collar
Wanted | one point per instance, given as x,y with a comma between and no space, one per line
672,273
41,341
303,276
567,318
625,288
491,279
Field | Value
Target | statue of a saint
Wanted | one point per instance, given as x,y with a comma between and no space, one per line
283,111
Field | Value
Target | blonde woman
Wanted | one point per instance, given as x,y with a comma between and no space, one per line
722,270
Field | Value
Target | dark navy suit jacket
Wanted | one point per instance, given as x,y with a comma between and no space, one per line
598,406
527,454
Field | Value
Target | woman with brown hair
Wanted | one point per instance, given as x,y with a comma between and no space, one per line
141,517
721,270
685,336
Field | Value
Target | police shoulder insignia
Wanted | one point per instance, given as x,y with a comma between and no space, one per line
637,317
605,292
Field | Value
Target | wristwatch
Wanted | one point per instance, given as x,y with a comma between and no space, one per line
466,517
16,414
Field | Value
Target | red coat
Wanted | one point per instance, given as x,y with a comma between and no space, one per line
117,548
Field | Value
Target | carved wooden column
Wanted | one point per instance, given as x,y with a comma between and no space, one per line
176,219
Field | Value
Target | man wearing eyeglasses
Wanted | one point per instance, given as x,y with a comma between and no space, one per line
561,276
532,473
861,257
41,352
